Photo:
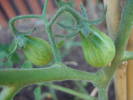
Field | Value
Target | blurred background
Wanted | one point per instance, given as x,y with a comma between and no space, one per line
12,8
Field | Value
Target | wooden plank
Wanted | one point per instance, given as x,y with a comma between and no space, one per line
21,6
3,21
7,8
113,16
130,71
36,8
121,82
113,19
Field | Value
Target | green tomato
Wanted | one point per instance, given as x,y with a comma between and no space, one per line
37,51
98,48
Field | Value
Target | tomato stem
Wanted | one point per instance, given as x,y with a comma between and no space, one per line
14,77
44,11
13,20
55,50
49,28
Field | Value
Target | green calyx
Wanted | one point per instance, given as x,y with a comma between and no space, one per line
37,51
98,48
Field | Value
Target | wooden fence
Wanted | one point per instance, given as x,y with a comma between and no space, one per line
11,8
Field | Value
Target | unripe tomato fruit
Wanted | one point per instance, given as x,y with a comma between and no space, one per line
98,48
37,51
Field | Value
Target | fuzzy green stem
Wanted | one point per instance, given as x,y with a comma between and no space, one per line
13,20
66,9
55,50
102,94
80,87
53,92
44,11
70,91
74,13
57,72
58,2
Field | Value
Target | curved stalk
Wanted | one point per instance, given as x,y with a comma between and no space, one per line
56,72
13,20
66,9
44,11
48,26
70,91
55,50
102,94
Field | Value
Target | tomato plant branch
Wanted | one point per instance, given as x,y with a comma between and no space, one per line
58,72
81,87
101,79
53,93
13,20
44,11
70,91
52,21
102,94
76,15
55,50
60,11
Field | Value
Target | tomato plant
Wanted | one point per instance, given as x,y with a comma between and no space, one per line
99,51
